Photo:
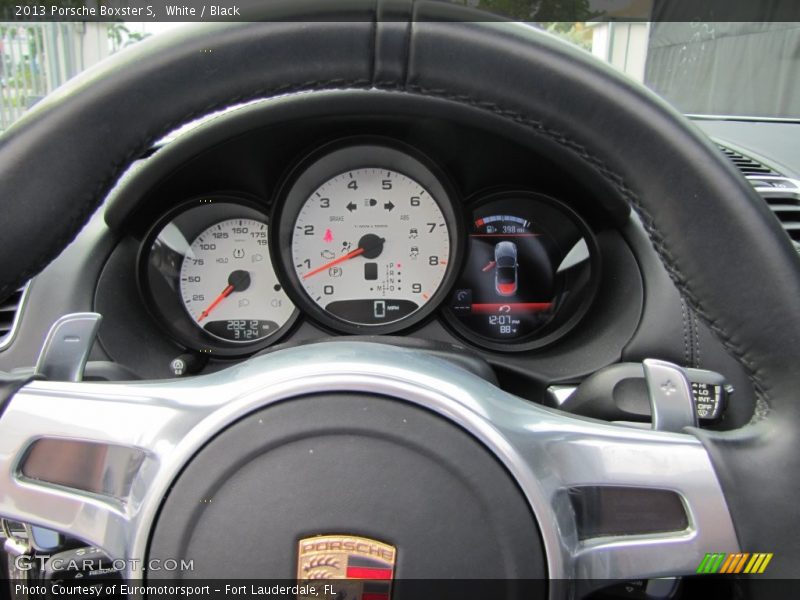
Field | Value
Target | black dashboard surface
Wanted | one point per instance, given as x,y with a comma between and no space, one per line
774,143
634,313
252,151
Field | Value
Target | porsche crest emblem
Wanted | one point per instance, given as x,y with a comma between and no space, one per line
363,567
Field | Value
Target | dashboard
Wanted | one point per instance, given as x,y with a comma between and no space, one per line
287,222
314,217
366,235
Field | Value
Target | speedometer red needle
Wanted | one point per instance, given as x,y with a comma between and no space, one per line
335,262
225,293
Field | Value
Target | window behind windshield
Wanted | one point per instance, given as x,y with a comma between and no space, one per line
740,69
750,69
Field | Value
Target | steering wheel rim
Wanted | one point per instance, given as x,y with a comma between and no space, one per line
695,207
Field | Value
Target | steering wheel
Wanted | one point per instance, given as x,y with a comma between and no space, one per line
234,469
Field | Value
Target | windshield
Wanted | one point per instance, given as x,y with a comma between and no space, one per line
740,69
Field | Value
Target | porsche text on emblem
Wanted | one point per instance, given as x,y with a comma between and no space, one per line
344,557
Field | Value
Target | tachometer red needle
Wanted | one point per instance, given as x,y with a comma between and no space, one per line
225,293
335,262
489,266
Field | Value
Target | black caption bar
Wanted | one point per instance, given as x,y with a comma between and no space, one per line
518,10
459,589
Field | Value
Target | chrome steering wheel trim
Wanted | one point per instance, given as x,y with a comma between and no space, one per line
546,452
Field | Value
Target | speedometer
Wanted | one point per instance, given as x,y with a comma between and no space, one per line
207,277
371,238
228,286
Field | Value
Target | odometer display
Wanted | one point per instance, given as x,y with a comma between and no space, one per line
528,274
228,285
207,277
370,244
510,284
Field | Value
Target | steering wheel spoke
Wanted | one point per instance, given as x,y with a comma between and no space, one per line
632,503
97,459
81,457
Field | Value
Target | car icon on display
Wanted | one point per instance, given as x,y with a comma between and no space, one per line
505,274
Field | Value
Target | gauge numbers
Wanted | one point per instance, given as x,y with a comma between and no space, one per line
370,246
228,285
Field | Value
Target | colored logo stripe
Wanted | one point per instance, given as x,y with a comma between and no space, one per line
758,563
368,573
735,564
711,563
720,562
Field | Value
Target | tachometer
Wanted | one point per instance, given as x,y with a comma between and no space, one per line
369,236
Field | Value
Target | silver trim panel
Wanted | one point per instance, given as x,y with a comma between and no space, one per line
560,393
671,400
67,346
546,451
776,192
699,117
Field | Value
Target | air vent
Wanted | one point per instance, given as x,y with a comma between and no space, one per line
782,194
745,164
10,309
783,197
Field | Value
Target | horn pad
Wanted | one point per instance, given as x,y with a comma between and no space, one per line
347,464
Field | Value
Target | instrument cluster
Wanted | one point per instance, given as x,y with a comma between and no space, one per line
368,236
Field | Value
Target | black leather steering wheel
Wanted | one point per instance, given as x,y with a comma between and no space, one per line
717,239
